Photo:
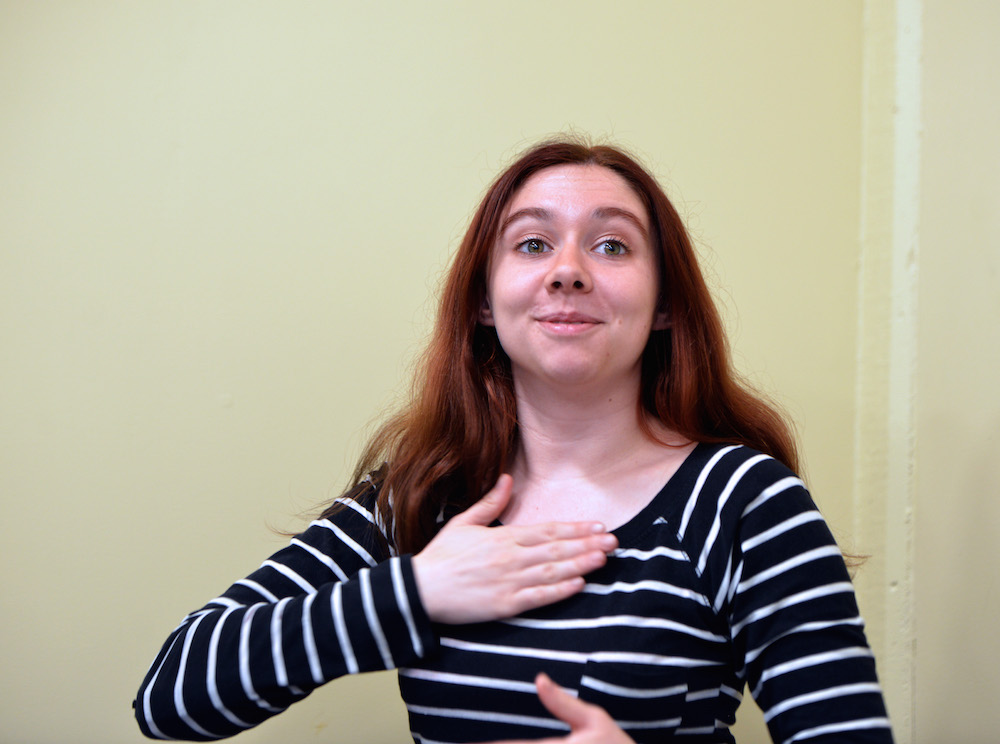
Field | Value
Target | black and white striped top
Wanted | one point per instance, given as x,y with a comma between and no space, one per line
729,576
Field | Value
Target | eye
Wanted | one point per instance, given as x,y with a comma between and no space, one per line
612,248
532,245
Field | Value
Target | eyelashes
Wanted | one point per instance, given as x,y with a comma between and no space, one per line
609,246
533,246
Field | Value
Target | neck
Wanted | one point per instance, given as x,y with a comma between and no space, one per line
583,455
572,432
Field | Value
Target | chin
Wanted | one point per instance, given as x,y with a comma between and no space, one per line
577,375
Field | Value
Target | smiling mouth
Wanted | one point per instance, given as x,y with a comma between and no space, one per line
568,326
568,319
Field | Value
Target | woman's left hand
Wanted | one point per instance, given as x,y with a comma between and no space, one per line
588,723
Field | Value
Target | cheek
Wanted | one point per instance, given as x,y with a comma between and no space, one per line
508,289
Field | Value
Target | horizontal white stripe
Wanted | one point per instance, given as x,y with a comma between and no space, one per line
640,725
783,485
858,688
492,717
645,555
631,692
699,731
251,584
834,728
851,652
731,692
531,653
468,680
322,557
346,540
787,565
291,575
354,505
809,627
418,739
608,621
696,695
577,657
826,590
789,524
225,602
646,585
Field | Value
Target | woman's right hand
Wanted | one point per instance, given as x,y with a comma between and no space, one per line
471,572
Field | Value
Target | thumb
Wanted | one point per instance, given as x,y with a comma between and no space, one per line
561,704
490,506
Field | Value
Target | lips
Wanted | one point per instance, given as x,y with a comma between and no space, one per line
567,323
568,318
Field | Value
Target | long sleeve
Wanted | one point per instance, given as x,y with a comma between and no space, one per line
326,605
794,619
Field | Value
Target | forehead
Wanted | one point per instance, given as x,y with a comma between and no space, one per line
577,188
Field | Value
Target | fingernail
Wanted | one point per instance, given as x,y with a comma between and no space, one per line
597,527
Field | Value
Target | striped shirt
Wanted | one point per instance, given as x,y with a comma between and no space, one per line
728,577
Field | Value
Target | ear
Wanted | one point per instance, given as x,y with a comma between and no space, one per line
485,314
661,321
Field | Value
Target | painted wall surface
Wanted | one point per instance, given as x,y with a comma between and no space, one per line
221,228
958,403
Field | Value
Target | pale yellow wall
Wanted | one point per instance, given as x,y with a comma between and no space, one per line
221,222
958,400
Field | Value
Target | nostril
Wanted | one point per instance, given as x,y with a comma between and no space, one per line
578,284
556,284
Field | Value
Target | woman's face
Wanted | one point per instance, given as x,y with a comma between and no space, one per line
572,285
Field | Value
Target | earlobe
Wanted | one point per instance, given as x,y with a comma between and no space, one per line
485,314
661,321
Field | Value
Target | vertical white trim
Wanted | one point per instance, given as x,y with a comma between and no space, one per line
885,430
903,357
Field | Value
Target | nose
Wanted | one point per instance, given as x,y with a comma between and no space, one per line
568,271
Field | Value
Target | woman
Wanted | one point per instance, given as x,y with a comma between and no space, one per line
643,548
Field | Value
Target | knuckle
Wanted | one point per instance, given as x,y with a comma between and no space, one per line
555,551
550,573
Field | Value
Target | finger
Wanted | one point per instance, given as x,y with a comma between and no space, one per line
563,550
538,534
533,597
564,706
551,572
485,511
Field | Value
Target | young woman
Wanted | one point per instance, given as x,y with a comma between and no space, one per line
582,529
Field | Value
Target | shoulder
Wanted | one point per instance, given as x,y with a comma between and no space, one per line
749,515
730,476
356,514
729,486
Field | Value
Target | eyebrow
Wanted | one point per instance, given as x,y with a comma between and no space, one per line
537,212
606,212
541,213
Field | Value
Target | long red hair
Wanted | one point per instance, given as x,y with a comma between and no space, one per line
455,438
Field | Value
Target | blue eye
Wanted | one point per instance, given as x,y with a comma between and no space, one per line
532,245
612,248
